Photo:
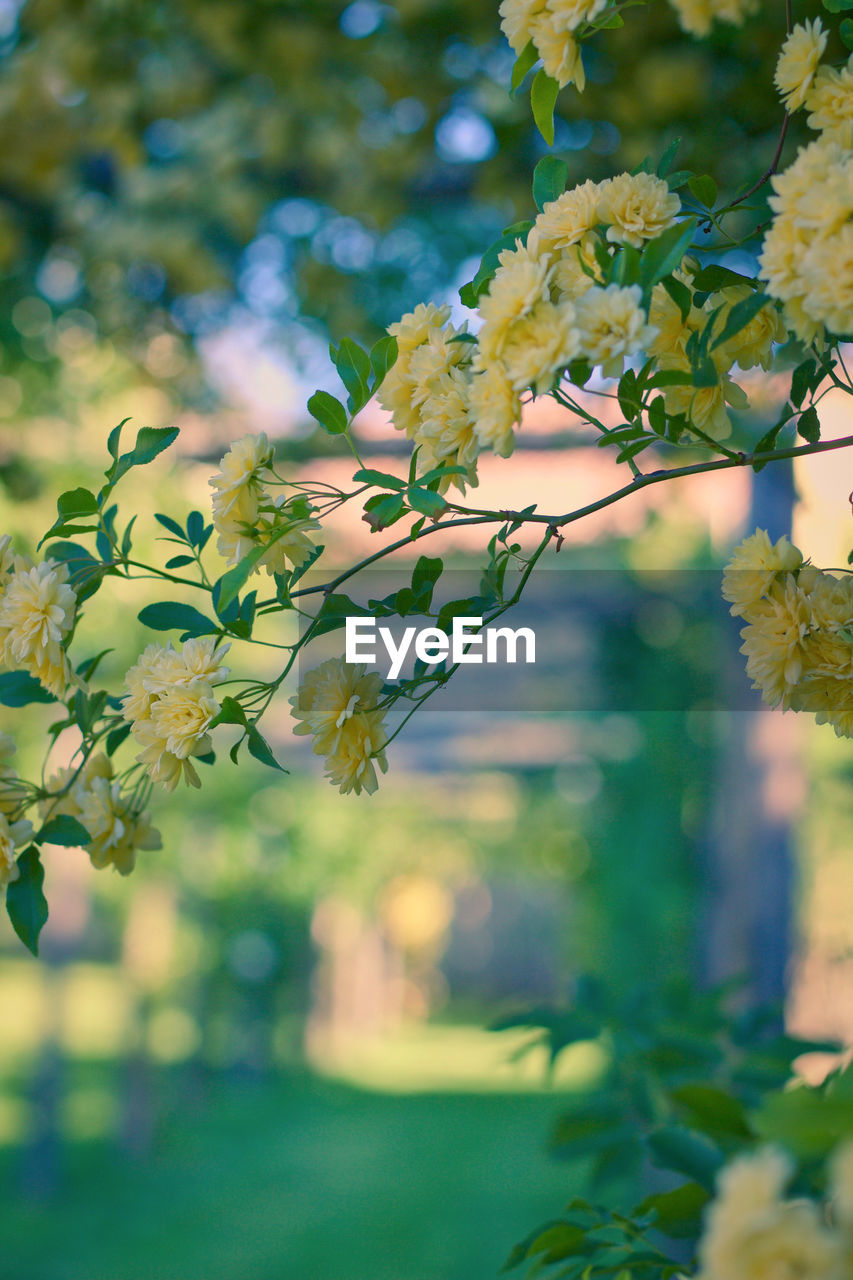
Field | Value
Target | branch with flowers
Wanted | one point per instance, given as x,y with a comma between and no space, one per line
606,294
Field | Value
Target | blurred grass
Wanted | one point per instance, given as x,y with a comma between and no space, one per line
303,1179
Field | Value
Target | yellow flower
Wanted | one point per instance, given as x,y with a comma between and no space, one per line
798,60
179,719
520,283
93,796
558,49
336,704
752,1234
238,472
572,13
495,409
12,836
565,221
636,207
36,614
753,345
827,271
697,16
540,345
830,103
446,434
612,324
703,406
774,641
754,568
516,17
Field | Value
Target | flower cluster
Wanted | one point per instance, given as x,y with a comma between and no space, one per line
116,823
551,26
170,703
246,515
546,306
752,1232
799,634
37,608
697,16
807,256
752,346
337,706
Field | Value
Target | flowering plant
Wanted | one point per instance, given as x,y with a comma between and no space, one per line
608,293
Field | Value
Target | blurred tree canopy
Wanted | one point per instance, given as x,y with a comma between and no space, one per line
171,167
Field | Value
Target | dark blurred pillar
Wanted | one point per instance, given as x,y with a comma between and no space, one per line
748,866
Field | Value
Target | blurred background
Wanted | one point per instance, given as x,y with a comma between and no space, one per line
266,1054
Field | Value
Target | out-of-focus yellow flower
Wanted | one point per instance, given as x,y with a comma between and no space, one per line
13,836
697,16
798,62
752,1234
830,103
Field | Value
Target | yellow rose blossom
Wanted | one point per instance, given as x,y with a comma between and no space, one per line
798,61
830,103
697,16
827,271
751,346
520,283
93,796
774,642
495,408
636,207
540,345
558,49
516,17
13,836
36,615
565,221
612,325
754,567
752,1234
336,704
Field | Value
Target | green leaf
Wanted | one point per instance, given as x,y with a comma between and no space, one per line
85,572
260,749
425,501
117,737
366,476
740,316
25,900
63,830
525,62
801,381
230,712
426,574
809,1122
195,527
232,582
329,412
353,366
846,32
715,276
178,562
657,415
768,441
172,525
667,158
19,689
837,6
663,255
808,425
678,1213
114,438
678,1148
383,509
543,99
549,180
150,442
713,1110
334,611
76,503
383,356
704,189
171,616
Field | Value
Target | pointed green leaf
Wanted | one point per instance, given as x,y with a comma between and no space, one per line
543,99
25,900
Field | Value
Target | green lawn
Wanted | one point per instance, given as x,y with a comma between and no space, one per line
302,1178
